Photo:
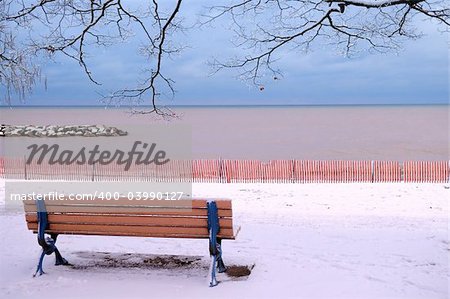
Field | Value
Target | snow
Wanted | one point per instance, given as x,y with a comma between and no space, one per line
304,240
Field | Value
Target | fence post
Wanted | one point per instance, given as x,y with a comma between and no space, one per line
372,170
25,168
402,171
293,171
448,167
220,170
93,172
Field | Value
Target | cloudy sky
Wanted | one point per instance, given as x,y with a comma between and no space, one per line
418,74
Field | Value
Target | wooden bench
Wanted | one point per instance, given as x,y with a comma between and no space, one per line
197,218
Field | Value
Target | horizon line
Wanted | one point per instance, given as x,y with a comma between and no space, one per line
220,105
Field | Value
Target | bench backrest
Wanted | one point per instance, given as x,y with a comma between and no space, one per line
151,218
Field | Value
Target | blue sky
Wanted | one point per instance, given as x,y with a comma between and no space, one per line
418,74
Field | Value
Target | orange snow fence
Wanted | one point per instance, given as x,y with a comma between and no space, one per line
236,171
332,171
426,171
386,171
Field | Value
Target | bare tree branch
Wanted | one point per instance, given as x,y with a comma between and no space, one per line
265,29
72,28
158,44
33,30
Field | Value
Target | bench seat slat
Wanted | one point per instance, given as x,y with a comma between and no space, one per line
195,204
130,220
139,235
132,230
127,210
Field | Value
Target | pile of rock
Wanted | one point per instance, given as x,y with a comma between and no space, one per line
61,131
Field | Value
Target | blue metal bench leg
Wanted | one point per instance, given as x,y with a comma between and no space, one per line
47,244
39,266
215,248
59,260
220,264
213,282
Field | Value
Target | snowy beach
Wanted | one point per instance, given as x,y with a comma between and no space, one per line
301,240
225,149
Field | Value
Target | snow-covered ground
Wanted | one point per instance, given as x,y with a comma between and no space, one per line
304,240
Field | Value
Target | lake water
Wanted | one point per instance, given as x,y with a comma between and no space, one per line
283,132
